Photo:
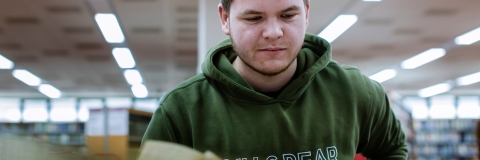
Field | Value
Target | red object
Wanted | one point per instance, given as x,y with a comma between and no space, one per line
359,157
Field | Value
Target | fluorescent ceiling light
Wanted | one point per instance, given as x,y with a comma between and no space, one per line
49,91
91,103
434,90
372,0
110,27
423,58
35,114
384,75
469,37
442,107
63,114
119,102
468,107
35,110
5,63
83,114
469,79
14,115
10,102
417,106
26,77
139,91
337,27
149,105
63,110
6,106
420,112
442,112
124,57
133,76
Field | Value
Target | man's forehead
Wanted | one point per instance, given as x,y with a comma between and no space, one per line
291,8
245,6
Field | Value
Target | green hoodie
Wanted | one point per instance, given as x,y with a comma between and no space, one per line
326,112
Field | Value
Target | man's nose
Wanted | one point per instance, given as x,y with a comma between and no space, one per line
273,30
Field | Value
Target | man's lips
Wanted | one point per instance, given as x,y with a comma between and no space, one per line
272,49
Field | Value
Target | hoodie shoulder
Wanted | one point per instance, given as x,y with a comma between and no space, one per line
355,73
191,81
185,91
353,77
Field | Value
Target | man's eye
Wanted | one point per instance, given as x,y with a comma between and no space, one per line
254,18
287,16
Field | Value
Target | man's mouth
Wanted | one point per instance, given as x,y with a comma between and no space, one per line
273,49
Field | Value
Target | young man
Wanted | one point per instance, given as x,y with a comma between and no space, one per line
271,92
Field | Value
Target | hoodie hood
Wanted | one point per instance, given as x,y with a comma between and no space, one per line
314,56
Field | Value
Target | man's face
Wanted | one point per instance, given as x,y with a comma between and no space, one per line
266,34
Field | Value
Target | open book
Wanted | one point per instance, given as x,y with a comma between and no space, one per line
159,150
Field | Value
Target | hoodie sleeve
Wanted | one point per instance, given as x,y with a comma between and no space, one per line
382,137
161,127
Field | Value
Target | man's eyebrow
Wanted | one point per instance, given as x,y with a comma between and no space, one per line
249,11
291,8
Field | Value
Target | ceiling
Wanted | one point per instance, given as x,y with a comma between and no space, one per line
59,41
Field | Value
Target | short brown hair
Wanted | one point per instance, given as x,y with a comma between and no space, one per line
226,4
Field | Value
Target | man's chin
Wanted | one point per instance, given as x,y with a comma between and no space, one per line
271,71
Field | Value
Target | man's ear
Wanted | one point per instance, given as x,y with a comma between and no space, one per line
224,19
307,10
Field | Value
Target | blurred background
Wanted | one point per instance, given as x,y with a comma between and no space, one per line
81,78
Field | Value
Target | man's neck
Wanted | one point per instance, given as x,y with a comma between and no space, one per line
262,82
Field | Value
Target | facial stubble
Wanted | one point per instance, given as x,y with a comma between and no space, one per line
258,70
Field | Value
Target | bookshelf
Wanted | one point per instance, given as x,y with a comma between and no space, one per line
443,127
53,133
138,123
444,139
